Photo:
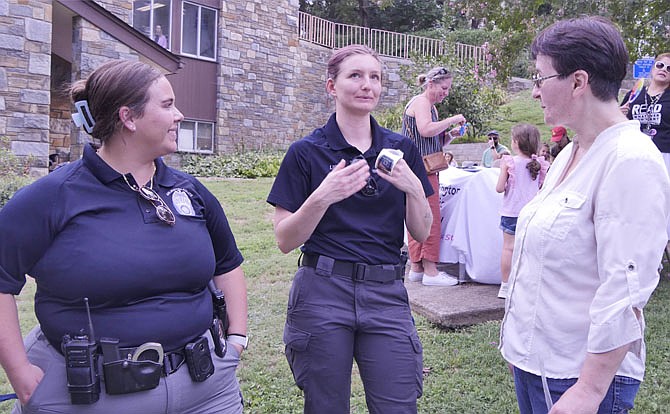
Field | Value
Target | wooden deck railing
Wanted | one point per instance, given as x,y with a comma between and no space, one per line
399,45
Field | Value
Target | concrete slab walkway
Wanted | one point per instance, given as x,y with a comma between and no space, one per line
456,306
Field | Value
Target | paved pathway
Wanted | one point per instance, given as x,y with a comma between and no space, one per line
456,306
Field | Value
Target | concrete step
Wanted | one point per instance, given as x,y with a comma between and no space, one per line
456,306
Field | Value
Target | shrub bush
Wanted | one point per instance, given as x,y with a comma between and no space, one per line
475,93
242,165
13,172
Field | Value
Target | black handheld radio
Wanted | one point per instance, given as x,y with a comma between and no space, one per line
220,321
81,364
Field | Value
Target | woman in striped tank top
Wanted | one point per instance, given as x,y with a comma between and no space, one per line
421,123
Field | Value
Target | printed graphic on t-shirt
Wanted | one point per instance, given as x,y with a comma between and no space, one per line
647,114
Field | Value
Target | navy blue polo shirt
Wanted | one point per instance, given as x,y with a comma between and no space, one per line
82,232
363,229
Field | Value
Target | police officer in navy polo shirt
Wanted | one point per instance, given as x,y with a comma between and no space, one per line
348,300
135,244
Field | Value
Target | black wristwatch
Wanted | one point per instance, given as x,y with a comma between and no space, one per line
238,339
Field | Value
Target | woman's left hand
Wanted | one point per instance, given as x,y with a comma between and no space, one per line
577,400
403,178
455,132
237,347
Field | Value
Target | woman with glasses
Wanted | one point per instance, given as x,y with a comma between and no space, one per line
588,245
348,300
122,237
421,123
651,106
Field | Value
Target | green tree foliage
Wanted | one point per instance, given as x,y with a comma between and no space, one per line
402,16
13,172
475,93
510,25
644,24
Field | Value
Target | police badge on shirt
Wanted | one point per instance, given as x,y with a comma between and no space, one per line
182,202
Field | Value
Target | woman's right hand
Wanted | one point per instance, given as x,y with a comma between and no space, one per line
457,119
343,181
24,380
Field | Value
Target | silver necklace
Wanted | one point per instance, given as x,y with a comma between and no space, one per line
653,100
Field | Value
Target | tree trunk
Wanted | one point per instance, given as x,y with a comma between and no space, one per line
363,11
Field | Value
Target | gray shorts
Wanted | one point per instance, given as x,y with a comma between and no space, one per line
175,394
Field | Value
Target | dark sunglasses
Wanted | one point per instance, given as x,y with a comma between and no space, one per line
371,188
661,65
162,210
441,73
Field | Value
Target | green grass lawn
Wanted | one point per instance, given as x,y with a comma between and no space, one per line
467,374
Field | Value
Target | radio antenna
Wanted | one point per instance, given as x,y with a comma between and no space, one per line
90,321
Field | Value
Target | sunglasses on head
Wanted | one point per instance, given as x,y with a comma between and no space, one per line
661,65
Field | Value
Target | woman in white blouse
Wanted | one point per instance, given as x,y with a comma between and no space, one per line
588,245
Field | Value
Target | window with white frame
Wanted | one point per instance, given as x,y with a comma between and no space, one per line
152,17
196,136
198,31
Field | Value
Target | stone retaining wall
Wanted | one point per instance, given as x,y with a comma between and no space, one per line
468,152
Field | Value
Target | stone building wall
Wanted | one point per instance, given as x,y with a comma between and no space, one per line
271,86
317,106
25,40
91,48
259,71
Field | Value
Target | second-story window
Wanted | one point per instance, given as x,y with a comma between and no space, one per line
198,31
152,17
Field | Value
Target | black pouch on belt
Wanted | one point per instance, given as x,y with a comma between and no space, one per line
127,375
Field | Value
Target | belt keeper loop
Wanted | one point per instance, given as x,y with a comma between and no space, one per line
325,264
360,271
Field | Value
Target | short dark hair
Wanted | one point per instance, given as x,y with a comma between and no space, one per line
589,43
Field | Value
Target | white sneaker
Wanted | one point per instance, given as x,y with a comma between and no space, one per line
414,276
441,279
502,293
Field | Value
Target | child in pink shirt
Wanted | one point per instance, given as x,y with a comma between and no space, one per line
521,177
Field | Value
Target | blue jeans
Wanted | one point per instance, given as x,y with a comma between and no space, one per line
508,224
530,396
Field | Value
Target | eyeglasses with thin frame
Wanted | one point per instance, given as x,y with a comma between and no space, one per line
539,80
162,210
660,65
371,188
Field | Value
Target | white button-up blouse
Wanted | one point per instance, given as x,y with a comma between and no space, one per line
586,254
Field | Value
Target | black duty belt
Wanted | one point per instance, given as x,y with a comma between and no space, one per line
172,361
355,271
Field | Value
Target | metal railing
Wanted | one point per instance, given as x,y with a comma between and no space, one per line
392,44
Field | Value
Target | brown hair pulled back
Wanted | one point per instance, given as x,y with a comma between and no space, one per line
437,73
109,87
340,55
527,138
